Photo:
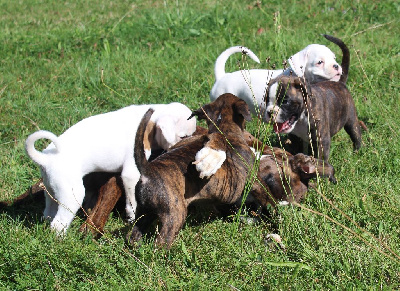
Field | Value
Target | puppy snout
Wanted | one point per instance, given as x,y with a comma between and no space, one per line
336,67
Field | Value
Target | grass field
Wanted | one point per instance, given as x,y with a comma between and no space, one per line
52,55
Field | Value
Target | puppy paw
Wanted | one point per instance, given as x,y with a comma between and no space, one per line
257,154
208,161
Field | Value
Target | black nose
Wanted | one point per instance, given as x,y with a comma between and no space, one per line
336,67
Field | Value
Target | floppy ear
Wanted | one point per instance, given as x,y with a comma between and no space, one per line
304,166
165,129
298,62
300,85
199,113
242,108
308,168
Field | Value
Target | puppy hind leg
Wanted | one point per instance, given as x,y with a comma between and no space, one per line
353,130
130,176
69,200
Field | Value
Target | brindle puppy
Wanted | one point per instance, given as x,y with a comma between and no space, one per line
171,182
321,109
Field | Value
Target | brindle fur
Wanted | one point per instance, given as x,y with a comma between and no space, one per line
171,182
328,106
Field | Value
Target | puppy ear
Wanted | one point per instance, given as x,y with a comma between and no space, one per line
199,113
300,85
298,62
304,166
242,108
309,167
165,132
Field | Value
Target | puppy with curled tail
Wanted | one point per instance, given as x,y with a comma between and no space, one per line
102,143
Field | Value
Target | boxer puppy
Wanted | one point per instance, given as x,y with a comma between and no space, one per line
320,109
288,176
101,143
169,183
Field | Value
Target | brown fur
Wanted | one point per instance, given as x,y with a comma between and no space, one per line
171,182
109,194
328,106
287,176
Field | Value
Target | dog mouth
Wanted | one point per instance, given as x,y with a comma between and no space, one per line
285,127
336,78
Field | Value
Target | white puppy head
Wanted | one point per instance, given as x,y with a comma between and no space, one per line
172,124
316,63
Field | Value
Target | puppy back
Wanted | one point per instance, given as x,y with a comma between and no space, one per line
139,153
345,59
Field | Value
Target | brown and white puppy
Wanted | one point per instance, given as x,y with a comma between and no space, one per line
287,176
321,109
169,183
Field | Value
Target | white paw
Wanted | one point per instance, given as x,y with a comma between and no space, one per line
208,161
257,154
59,227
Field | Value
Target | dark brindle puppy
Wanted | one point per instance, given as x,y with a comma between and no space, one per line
171,182
324,108
287,176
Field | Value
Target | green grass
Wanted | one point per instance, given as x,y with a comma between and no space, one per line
52,55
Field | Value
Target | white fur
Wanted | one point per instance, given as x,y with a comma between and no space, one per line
208,161
298,128
101,143
315,63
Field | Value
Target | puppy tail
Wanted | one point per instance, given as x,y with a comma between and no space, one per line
39,157
139,152
219,69
345,59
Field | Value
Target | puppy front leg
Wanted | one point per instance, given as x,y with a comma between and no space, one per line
211,157
171,224
109,194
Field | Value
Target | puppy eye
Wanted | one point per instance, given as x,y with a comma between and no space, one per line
320,62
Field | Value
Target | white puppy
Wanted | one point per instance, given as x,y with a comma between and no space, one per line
102,143
315,63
